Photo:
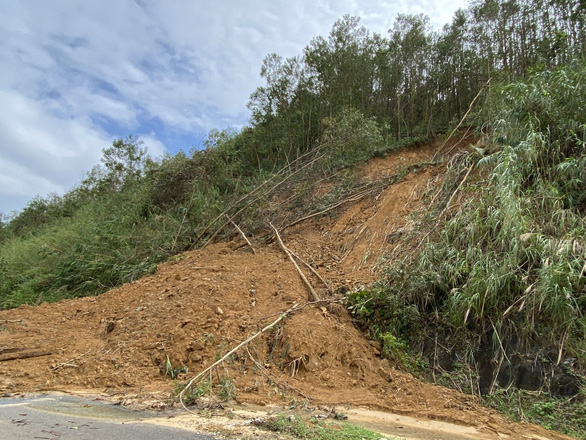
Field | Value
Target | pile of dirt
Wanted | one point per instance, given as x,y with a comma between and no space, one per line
195,308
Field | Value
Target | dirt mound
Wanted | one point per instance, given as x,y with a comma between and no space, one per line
195,308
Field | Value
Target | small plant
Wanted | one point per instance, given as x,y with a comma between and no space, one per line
173,372
195,392
208,339
303,404
317,430
226,389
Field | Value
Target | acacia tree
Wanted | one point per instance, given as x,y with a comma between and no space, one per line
124,161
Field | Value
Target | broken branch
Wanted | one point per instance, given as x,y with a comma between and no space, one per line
313,271
68,362
25,355
241,233
313,295
272,378
235,349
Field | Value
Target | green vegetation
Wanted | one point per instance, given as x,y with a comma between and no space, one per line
296,427
558,414
173,372
504,275
493,287
226,388
509,262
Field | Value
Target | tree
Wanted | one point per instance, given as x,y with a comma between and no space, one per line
410,45
124,161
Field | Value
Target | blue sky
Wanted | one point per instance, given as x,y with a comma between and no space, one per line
75,75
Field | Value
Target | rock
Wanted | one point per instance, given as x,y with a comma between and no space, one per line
385,374
196,345
563,384
110,325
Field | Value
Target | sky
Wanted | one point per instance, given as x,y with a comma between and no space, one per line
76,75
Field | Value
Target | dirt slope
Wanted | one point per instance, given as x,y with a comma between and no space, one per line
197,307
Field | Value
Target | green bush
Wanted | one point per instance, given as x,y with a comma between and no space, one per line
508,265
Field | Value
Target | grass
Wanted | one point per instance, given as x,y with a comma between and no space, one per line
567,416
296,427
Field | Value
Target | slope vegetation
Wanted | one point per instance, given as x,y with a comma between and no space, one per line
195,308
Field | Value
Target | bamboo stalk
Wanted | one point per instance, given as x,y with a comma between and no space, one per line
314,296
461,120
23,355
241,233
235,349
446,207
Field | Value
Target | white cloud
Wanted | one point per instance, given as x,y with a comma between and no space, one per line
75,75
156,149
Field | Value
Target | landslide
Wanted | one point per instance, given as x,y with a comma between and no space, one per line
199,305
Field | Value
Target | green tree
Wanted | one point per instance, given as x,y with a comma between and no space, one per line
124,161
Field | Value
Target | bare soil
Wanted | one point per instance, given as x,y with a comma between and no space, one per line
197,307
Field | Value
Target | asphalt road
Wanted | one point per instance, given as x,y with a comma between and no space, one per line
66,417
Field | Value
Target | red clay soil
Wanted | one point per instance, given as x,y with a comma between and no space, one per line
197,307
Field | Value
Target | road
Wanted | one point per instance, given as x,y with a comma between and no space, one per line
65,417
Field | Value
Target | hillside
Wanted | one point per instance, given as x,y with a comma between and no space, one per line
196,307
458,258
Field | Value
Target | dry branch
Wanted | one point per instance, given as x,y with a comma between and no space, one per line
231,352
314,296
313,271
258,188
241,233
244,197
439,217
67,363
359,194
23,355
461,120
252,202
272,378
329,208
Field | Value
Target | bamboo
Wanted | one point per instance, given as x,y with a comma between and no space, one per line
313,295
24,355
234,350
241,233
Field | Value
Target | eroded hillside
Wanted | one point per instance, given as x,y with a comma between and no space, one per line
198,306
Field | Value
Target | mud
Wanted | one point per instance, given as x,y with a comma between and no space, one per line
197,307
